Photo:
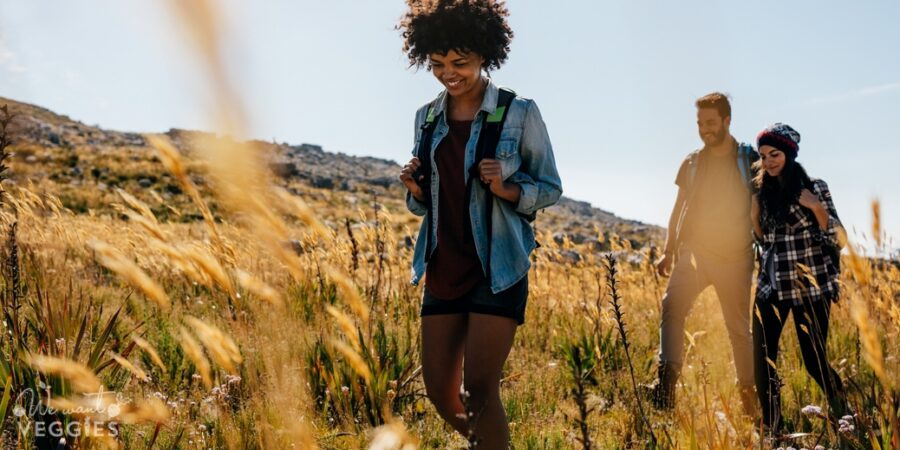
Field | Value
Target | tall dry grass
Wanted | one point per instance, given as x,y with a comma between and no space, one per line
288,322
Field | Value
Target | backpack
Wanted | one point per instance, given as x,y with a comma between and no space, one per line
747,155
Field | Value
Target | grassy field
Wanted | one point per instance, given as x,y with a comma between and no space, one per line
288,322
242,315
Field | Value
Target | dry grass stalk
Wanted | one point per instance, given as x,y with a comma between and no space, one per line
115,261
868,336
171,158
353,358
876,222
392,436
221,347
347,326
137,205
80,377
299,209
151,226
210,266
259,288
151,351
195,353
182,263
151,410
349,292
136,371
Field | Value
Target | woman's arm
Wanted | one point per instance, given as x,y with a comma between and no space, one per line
415,204
538,180
826,214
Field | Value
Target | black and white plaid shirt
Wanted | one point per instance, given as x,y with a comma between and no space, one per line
800,267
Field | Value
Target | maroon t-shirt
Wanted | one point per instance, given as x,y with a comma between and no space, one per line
454,268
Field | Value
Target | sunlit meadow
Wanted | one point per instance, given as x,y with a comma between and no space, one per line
282,317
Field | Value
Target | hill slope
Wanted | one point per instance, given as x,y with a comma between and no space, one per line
82,164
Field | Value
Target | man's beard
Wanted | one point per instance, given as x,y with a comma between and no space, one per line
716,139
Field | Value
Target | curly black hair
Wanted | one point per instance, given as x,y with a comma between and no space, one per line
438,26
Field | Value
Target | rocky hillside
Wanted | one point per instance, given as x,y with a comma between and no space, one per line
82,164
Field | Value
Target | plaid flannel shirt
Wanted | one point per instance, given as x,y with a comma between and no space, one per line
802,270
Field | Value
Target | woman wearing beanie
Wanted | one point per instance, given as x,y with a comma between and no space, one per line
795,222
482,166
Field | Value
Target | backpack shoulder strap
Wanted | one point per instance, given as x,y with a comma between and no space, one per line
423,150
746,157
693,161
486,147
493,126
423,153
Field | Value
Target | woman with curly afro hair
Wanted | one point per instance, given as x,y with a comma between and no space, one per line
483,166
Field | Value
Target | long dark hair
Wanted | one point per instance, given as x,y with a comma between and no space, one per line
776,197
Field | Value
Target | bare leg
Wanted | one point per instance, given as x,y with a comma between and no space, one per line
443,343
488,343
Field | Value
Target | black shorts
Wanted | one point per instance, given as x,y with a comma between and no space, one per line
509,303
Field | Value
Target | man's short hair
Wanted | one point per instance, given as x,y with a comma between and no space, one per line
716,100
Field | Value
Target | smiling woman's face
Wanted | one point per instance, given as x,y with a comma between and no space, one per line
773,160
458,72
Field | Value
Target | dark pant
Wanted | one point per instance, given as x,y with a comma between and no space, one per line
811,323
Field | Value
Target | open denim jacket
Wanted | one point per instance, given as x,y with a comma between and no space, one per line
526,157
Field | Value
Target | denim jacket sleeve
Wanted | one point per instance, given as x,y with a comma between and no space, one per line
538,177
414,206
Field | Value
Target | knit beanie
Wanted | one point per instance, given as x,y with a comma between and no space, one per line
780,136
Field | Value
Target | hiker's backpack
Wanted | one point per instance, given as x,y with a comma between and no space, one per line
745,158
486,148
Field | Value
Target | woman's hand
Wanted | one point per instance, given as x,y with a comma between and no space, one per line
490,172
407,176
810,200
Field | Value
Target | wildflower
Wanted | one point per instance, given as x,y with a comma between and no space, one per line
845,426
811,410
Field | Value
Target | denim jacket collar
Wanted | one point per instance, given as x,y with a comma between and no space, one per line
488,105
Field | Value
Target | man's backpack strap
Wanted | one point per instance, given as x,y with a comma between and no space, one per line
746,157
693,164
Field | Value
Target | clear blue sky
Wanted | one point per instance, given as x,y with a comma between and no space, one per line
615,82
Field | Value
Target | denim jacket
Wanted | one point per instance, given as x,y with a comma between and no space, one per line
526,158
